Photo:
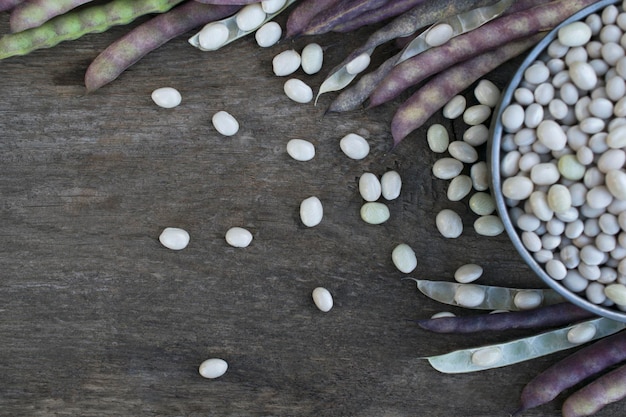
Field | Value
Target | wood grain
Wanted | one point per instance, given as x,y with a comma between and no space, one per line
98,319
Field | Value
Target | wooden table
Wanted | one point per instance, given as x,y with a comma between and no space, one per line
99,319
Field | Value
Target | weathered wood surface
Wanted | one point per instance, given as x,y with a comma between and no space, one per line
98,319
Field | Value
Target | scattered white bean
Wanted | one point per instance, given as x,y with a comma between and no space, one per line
298,91
449,223
238,237
374,212
482,203
213,368
354,146
476,135
391,185
479,172
455,107
300,149
459,188
174,238
166,97
438,138
286,63
468,273
311,211
463,151
447,168
323,299
476,114
312,58
490,225
403,257
369,187
225,123
486,92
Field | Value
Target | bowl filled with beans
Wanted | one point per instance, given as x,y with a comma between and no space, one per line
557,159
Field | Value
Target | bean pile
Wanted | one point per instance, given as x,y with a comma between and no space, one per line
563,158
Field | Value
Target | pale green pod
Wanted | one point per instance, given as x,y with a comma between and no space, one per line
496,298
460,23
516,351
74,24
231,29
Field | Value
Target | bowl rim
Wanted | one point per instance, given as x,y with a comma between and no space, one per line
493,154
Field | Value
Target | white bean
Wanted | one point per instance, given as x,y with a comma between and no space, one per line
447,168
482,203
323,299
250,17
489,225
574,34
517,187
272,6
213,368
437,138
468,273
455,107
469,295
374,212
581,333
404,258
354,146
312,58
486,92
358,64
225,123
238,237
298,91
369,187
174,238
527,299
391,185
213,36
449,223
286,63
463,151
268,34
476,114
487,356
311,211
439,34
476,135
166,97
300,149
459,187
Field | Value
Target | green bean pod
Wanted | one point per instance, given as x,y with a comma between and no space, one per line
73,25
516,351
496,298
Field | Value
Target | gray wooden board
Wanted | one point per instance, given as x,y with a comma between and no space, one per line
98,319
